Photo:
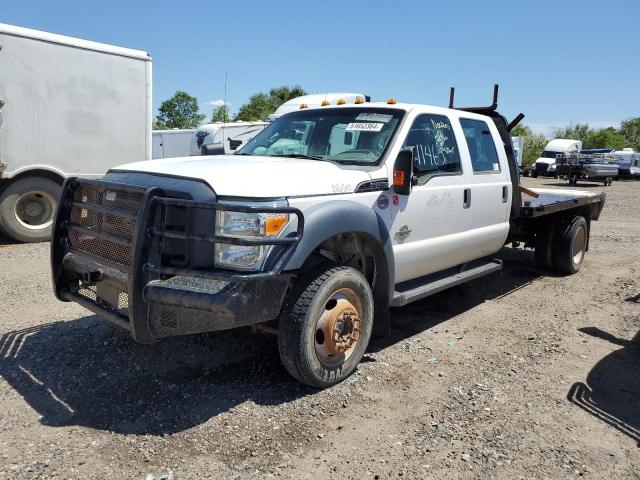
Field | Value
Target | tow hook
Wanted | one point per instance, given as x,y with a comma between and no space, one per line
90,278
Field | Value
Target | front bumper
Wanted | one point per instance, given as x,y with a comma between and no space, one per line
114,251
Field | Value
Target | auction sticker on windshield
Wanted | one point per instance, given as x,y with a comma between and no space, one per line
364,127
374,117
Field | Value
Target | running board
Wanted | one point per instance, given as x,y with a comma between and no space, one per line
434,283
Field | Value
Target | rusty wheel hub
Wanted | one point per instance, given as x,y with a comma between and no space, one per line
338,328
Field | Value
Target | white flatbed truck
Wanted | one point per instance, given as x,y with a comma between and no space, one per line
68,107
313,229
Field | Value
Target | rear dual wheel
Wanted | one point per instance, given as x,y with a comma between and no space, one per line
561,246
326,326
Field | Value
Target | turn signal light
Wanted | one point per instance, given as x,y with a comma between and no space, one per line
274,224
392,101
398,177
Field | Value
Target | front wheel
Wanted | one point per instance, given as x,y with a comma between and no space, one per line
326,325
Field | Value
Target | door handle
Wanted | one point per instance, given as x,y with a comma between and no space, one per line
505,194
466,200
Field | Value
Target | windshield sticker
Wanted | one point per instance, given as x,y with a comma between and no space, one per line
496,167
374,117
383,202
364,127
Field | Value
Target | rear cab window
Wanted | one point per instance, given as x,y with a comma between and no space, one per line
482,148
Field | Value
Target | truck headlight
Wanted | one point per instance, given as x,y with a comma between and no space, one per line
245,225
552,167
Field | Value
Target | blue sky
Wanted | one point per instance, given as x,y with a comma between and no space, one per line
556,61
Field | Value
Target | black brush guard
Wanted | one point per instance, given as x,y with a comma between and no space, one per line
106,255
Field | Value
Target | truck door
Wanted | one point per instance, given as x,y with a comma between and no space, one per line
428,226
489,191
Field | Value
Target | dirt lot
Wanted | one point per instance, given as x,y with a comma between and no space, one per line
517,375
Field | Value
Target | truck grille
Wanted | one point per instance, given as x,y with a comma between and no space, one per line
541,167
107,222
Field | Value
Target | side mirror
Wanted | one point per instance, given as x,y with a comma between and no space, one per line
212,149
403,172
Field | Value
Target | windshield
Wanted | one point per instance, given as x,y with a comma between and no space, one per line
357,136
549,154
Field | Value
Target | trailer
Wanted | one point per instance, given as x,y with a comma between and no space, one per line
69,107
598,166
172,143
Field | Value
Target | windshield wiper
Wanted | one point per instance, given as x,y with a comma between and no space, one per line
301,155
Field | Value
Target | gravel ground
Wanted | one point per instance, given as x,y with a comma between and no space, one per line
517,375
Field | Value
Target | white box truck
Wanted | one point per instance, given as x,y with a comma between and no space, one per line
68,107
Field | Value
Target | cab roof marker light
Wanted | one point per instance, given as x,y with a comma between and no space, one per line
392,101
303,105
359,100
340,101
325,103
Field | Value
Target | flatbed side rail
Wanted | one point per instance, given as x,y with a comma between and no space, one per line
533,209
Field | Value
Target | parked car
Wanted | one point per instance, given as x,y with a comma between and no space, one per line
69,107
324,220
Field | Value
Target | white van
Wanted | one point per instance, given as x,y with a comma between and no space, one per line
229,136
172,143
546,164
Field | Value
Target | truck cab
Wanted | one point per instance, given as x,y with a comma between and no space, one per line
311,230
545,165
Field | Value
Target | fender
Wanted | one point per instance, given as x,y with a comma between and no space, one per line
34,168
326,220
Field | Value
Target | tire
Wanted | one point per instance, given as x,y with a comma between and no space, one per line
570,247
543,252
27,208
317,305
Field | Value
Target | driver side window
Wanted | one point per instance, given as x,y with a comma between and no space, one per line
435,147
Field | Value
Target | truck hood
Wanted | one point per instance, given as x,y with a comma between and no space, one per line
258,177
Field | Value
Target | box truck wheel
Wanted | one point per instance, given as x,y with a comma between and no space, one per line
571,244
27,207
326,325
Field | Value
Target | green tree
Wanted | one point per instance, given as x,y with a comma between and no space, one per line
630,130
261,105
180,111
534,143
604,137
221,114
579,131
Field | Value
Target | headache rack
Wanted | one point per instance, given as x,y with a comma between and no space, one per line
111,234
